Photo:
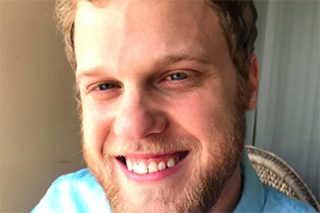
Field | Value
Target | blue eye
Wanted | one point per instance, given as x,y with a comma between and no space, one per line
178,76
106,86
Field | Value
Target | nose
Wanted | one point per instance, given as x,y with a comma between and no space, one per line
138,117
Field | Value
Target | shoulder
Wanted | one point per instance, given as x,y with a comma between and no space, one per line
74,192
73,183
73,179
276,201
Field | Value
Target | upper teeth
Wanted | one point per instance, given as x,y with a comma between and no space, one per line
129,165
162,166
142,168
171,163
153,167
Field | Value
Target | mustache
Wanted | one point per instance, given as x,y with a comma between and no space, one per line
153,144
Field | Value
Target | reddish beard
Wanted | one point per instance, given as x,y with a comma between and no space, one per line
205,187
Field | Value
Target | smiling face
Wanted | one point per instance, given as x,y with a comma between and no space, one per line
162,109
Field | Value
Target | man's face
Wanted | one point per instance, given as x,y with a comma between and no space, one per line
158,89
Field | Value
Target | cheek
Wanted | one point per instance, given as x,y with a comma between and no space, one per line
201,114
97,124
206,116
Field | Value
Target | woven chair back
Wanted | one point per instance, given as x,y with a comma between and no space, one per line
275,172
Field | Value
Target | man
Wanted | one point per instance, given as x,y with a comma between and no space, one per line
163,87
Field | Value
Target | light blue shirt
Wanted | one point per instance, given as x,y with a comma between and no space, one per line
80,192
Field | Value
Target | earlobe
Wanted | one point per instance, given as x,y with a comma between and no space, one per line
253,82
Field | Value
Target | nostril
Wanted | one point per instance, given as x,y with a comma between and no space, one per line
136,121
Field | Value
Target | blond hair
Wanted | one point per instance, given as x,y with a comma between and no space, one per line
237,19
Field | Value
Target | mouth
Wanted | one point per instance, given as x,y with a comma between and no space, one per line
151,166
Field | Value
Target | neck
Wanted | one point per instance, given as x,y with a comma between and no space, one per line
231,194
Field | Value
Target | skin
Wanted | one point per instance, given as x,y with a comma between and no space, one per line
134,48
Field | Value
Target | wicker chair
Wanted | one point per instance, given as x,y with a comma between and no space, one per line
275,172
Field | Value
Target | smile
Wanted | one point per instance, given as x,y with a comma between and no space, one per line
143,167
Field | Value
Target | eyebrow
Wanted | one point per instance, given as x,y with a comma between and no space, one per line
169,59
195,56
91,72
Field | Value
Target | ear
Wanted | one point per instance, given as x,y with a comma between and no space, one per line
253,82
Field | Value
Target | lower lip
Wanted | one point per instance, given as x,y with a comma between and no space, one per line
151,177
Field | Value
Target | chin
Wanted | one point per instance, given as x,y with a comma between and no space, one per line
189,186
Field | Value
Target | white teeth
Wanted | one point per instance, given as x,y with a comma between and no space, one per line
129,165
162,166
171,163
142,168
135,168
153,167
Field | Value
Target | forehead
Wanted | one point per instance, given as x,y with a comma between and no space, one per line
123,30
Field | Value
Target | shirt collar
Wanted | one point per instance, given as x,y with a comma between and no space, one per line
253,195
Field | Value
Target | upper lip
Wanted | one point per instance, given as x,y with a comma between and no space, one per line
149,155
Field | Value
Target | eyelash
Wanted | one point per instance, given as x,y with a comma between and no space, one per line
97,87
181,76
178,74
108,86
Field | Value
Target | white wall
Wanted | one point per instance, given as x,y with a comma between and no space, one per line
39,126
287,116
